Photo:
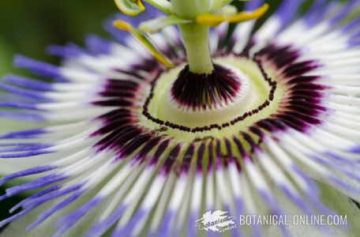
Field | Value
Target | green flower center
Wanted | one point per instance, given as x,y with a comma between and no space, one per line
259,96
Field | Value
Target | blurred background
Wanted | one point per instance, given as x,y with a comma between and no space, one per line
27,27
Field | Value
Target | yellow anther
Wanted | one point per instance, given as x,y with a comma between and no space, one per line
145,41
130,7
214,20
123,25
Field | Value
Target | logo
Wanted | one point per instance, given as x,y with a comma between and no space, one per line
216,221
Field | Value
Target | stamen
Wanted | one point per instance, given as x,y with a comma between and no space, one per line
144,40
214,20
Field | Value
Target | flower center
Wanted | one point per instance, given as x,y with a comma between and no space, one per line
234,95
192,91
264,93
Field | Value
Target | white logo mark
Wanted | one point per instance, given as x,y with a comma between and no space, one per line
216,221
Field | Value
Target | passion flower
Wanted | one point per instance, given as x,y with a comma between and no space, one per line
143,137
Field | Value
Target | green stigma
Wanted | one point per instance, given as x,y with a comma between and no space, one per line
194,19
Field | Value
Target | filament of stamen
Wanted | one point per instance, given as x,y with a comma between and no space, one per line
213,20
122,25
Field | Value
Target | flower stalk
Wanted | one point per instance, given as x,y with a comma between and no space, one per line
196,41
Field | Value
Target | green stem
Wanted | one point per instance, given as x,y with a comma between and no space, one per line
196,40
195,36
190,8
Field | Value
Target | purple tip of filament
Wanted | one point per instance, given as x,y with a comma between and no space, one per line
274,208
355,150
32,133
312,191
27,83
39,199
18,105
351,25
23,173
38,67
353,42
35,95
356,35
22,116
252,5
14,217
135,220
270,201
98,45
69,50
24,147
296,199
100,228
60,206
37,183
71,219
24,154
287,10
24,202
56,194
342,13
165,226
340,159
315,13
191,225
